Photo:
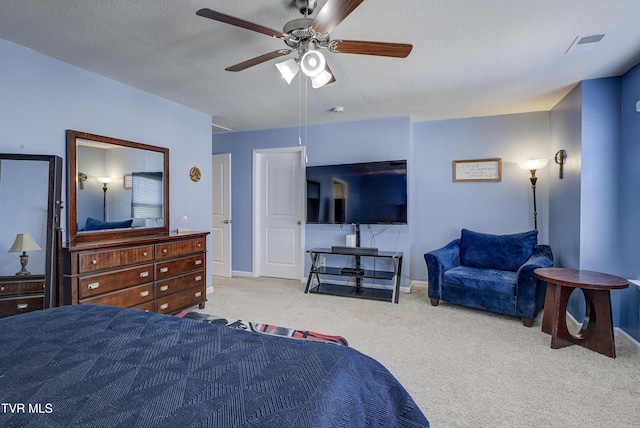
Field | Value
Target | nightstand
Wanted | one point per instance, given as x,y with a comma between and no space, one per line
20,294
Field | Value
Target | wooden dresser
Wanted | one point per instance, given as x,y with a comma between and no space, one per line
163,274
21,293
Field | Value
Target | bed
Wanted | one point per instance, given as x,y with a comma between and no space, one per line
94,366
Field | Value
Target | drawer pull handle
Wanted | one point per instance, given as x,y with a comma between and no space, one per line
164,288
199,244
93,285
199,293
144,254
164,250
94,262
2,288
144,293
144,274
164,306
23,305
198,278
164,270
198,262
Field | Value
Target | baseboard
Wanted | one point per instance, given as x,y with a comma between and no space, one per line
242,274
419,284
618,333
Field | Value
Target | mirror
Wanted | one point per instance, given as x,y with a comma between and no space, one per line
117,188
30,194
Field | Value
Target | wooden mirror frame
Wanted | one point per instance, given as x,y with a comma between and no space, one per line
73,236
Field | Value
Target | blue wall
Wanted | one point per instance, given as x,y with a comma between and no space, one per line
594,209
600,187
42,97
443,207
629,317
564,195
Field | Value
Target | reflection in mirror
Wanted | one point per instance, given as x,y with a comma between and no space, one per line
117,188
30,236
24,190
104,200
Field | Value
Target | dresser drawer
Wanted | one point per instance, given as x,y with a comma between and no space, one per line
175,267
181,300
18,305
96,261
179,283
94,285
21,286
173,249
147,307
125,299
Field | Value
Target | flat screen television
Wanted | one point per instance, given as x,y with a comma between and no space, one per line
357,193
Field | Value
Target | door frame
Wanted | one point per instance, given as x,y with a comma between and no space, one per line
258,200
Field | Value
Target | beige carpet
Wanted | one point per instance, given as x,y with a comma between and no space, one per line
463,367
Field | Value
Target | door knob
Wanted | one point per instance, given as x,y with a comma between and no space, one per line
299,222
227,222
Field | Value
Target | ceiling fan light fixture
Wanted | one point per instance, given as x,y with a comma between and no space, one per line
312,63
321,79
288,69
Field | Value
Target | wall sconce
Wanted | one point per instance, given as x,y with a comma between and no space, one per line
561,158
532,166
81,179
24,242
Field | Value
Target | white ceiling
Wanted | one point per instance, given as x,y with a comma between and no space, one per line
470,57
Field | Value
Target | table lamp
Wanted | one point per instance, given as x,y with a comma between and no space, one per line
24,242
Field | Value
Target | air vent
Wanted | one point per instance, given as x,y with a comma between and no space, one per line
584,43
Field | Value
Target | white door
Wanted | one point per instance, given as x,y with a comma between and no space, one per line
279,191
221,221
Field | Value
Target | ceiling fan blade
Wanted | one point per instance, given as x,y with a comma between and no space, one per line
396,50
228,19
258,60
332,13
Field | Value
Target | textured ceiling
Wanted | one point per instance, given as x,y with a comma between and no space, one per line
470,57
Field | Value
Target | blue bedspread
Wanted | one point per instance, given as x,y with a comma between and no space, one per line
95,366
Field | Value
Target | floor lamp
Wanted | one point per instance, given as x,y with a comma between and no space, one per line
532,166
104,181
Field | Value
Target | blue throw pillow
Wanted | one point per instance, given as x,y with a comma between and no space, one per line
93,224
503,252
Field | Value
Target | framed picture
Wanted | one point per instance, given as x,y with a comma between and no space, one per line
477,170
126,181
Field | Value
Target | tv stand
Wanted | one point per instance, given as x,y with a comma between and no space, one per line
357,273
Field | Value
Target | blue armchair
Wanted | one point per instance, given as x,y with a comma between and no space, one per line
491,272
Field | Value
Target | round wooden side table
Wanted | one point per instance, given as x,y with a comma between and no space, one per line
597,329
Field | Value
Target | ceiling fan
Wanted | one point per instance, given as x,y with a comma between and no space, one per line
307,36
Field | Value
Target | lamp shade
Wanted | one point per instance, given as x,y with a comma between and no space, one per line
104,180
533,164
321,79
288,69
23,242
312,63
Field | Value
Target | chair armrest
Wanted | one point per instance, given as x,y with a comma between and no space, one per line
438,261
530,291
